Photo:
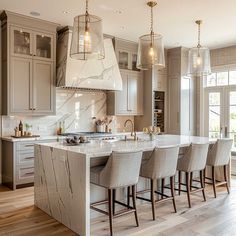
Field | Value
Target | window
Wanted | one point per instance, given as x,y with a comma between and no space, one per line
223,78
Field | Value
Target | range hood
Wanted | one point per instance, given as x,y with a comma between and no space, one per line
91,74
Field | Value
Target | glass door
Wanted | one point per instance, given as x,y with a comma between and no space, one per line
230,124
214,113
43,44
21,42
221,113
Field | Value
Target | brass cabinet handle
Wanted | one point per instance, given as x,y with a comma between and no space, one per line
29,173
28,158
29,145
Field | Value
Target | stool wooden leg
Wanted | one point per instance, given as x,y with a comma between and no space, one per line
110,200
226,178
173,192
188,188
204,177
180,181
191,180
113,201
128,196
134,204
153,200
213,180
162,187
202,184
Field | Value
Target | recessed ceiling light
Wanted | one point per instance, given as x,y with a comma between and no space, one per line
34,13
118,11
65,12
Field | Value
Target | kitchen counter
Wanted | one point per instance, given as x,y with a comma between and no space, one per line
97,148
62,175
61,137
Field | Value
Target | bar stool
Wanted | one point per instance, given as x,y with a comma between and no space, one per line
219,156
121,170
162,164
193,160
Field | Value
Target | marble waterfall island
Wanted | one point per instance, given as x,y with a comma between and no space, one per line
62,175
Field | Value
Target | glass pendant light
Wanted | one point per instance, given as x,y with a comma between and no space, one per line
150,48
199,63
87,37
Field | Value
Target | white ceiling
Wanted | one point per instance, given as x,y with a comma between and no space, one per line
129,19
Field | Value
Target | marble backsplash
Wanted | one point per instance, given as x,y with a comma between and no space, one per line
76,108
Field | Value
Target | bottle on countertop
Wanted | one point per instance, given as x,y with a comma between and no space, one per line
59,129
63,127
21,128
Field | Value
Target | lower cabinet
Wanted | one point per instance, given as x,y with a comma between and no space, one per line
18,163
128,101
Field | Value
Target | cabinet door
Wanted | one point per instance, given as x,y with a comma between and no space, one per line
20,85
140,95
43,46
174,105
21,42
123,58
43,89
122,96
132,93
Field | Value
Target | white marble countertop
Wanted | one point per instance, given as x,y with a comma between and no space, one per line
61,137
97,148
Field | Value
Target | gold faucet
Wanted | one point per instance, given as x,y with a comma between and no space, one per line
133,133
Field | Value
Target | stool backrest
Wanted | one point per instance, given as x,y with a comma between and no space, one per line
122,169
162,163
195,157
219,154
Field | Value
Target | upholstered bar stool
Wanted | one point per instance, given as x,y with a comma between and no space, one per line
162,164
219,156
193,160
121,170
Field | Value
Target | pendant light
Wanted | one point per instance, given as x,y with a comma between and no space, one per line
199,63
150,48
87,37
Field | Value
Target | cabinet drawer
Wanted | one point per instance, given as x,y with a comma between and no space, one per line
25,158
25,146
24,174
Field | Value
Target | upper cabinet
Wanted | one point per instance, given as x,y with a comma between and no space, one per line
28,43
28,64
128,101
127,54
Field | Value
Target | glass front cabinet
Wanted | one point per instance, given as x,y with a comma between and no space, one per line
28,43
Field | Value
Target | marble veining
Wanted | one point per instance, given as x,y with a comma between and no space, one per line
62,175
97,74
74,107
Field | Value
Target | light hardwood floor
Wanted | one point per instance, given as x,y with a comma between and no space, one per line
18,216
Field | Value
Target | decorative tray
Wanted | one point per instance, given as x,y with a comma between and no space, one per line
32,136
75,144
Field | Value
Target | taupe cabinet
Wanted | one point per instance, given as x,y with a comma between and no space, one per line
28,49
182,96
18,163
129,101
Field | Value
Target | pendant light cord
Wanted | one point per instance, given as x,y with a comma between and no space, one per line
86,7
199,35
151,28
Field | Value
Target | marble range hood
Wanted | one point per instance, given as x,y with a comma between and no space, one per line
91,74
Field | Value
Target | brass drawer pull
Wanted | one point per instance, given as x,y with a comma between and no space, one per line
28,158
29,173
29,145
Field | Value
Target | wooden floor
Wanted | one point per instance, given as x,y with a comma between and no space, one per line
18,216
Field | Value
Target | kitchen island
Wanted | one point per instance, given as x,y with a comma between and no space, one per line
62,174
